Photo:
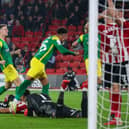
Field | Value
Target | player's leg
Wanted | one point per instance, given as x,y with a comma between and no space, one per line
20,91
115,97
45,85
33,72
60,104
6,87
44,80
84,104
11,75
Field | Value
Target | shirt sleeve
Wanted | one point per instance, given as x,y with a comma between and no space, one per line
1,45
80,39
61,49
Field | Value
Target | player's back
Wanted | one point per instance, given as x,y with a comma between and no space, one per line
47,48
41,104
111,45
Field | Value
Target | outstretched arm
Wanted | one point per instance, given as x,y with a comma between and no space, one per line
118,15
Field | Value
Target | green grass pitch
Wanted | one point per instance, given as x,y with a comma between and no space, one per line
72,99
18,121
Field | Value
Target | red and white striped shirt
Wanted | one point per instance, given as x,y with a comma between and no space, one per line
21,106
113,49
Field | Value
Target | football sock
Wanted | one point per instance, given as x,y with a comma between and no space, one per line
2,89
16,89
116,100
84,104
64,84
45,89
20,91
61,98
60,103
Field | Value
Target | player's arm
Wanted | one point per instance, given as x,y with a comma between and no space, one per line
2,62
63,50
115,13
5,110
79,40
74,44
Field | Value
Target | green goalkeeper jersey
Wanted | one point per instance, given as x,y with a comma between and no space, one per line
5,54
84,40
48,46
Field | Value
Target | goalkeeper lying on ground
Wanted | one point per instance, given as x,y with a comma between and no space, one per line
42,105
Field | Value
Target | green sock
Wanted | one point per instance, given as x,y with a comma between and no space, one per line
21,89
17,87
2,89
45,89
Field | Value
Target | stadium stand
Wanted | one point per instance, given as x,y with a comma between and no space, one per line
36,26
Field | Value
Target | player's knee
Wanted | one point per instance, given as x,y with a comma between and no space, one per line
17,81
8,85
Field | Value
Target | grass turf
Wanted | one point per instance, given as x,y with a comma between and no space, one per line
18,121
72,99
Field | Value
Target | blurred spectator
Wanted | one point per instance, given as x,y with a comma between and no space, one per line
26,53
51,62
19,63
20,68
38,23
59,11
14,51
10,9
22,20
70,75
28,11
3,19
18,29
29,24
11,20
9,42
73,19
5,1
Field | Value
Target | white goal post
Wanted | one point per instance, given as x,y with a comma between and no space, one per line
108,108
92,78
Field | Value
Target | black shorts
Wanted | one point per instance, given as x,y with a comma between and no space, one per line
115,73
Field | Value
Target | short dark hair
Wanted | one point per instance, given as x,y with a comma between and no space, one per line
69,68
62,30
26,93
2,25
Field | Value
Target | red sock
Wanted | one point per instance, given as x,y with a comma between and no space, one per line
84,84
64,83
116,100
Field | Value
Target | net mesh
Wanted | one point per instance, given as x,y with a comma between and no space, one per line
113,95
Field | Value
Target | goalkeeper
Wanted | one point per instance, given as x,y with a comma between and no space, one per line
42,105
83,40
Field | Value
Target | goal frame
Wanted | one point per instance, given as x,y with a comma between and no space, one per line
92,76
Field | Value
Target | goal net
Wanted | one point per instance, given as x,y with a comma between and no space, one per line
113,94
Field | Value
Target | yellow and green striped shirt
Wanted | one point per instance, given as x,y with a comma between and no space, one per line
48,46
5,54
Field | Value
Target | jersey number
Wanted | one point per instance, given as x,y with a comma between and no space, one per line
43,47
112,41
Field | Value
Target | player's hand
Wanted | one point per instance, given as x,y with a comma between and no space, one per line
18,51
76,53
2,62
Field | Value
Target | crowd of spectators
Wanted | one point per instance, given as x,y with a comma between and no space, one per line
36,16
30,15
